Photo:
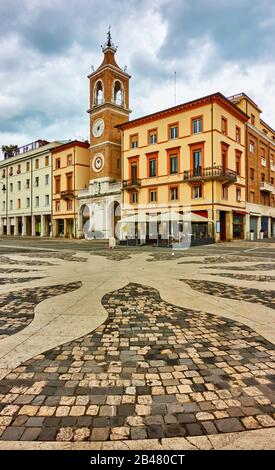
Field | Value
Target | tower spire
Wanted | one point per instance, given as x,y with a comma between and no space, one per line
109,43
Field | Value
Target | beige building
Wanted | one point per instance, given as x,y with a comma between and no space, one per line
187,159
71,173
26,203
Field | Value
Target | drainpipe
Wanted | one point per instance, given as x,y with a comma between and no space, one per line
212,164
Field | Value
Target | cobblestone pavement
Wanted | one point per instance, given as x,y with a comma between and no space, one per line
264,297
17,308
152,370
16,270
246,277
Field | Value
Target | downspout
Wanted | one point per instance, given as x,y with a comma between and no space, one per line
212,164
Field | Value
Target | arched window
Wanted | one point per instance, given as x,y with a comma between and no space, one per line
118,93
98,94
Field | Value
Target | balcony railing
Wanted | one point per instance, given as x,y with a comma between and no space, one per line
131,184
267,187
68,194
25,148
210,173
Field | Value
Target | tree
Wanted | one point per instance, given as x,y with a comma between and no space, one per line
9,150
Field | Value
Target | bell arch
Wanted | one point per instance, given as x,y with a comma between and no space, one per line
118,93
99,92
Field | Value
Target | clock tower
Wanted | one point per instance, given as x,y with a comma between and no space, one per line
109,106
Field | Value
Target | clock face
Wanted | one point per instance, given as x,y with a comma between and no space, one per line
98,127
98,162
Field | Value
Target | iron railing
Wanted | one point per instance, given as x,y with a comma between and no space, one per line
214,172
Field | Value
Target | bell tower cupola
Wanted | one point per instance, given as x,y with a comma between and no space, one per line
109,107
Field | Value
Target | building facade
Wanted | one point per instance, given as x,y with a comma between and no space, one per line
260,170
26,202
71,163
188,159
99,205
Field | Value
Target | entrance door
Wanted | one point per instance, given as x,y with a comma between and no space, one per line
134,172
197,163
223,225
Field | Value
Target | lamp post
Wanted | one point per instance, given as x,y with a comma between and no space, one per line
4,189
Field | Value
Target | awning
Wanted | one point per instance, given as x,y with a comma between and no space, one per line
164,217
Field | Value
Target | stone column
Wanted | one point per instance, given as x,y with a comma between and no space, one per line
269,228
24,226
247,227
259,226
8,226
1,226
33,225
229,226
42,232
54,228
15,226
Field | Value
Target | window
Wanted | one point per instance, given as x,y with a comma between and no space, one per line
272,180
57,184
11,187
133,141
118,93
69,205
173,131
57,163
47,200
197,162
11,204
253,119
238,134
11,171
19,185
47,179
69,160
47,160
18,203
196,125
36,201
69,182
238,163
153,137
174,193
28,184
262,177
224,126
238,195
252,173
173,164
197,191
36,182
18,169
27,202
134,197
153,195
134,171
252,196
225,191
251,147
36,163
57,206
3,173
152,167
28,166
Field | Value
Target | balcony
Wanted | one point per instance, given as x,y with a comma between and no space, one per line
212,173
131,184
267,187
68,194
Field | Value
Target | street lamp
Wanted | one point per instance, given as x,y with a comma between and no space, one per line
4,186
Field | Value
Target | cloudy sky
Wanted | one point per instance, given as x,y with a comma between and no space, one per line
47,48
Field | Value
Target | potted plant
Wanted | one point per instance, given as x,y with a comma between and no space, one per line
251,234
261,234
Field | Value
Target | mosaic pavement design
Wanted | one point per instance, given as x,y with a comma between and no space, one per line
17,308
255,267
65,256
151,370
264,297
246,277
17,280
7,260
112,255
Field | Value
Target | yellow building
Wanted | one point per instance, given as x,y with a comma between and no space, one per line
71,172
189,159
